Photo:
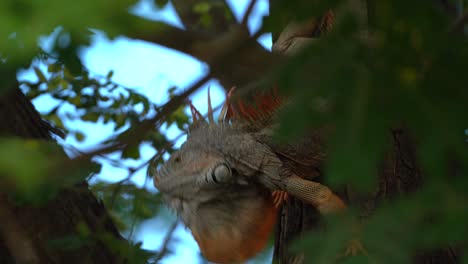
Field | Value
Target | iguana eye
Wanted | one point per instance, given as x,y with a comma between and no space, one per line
221,173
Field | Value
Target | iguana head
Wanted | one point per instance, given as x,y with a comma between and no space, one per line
219,183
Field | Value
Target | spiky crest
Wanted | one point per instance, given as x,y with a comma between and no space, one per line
226,112
210,108
253,115
263,107
196,115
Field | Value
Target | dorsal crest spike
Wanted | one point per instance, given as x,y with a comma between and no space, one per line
196,115
210,108
226,112
263,106
229,111
243,111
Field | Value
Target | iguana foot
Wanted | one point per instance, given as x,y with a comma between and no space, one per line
279,197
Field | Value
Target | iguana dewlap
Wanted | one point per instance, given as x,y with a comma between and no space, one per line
220,183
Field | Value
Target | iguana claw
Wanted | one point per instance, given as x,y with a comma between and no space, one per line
279,197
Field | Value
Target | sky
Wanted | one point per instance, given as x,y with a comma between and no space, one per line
149,69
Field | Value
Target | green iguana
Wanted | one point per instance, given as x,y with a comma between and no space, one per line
228,179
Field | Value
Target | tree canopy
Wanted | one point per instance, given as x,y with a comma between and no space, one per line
385,67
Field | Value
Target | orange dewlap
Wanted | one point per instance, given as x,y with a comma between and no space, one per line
224,248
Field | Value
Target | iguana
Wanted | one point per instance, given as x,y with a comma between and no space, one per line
228,179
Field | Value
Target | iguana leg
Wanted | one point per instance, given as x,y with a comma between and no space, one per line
279,197
325,201
314,193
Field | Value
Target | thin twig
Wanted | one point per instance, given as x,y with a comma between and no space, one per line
167,239
220,61
249,10
146,125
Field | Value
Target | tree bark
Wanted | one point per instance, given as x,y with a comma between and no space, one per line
28,231
399,173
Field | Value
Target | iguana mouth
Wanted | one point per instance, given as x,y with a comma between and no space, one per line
200,173
173,185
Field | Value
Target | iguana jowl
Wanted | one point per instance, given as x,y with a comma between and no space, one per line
227,180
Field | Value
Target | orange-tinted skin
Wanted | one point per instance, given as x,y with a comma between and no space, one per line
223,248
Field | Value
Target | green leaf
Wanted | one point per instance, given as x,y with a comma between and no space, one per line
110,74
25,163
79,136
83,229
202,7
54,68
161,3
206,20
67,242
133,253
131,151
40,75
90,116
128,203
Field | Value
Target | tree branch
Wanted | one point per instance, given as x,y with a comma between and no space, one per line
220,63
250,65
245,19
220,13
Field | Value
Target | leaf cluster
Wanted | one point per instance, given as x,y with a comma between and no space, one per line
403,69
400,68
